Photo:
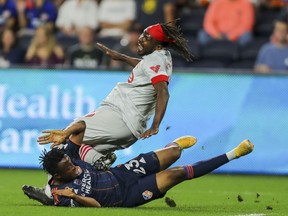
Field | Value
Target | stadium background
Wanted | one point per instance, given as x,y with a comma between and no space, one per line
220,109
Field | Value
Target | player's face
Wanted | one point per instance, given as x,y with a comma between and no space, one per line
146,44
67,171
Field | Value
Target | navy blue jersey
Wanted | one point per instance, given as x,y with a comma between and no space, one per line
102,186
71,149
127,185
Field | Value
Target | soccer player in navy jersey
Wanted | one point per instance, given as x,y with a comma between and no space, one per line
140,180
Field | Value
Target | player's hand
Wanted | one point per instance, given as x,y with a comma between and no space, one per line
148,133
112,53
56,137
64,192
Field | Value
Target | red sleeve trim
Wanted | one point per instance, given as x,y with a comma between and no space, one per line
160,78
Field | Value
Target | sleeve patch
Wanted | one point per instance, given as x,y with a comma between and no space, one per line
155,68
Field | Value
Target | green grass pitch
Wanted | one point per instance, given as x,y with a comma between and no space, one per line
209,195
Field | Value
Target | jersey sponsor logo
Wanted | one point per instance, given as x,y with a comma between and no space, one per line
155,68
147,195
86,182
131,78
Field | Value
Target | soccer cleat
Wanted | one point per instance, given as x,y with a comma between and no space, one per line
105,162
185,141
37,194
244,148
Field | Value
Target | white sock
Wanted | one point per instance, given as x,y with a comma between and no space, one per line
231,155
48,191
88,154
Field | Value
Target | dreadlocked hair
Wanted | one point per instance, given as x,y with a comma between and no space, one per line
179,44
49,160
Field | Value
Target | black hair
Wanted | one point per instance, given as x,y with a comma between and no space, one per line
49,160
180,44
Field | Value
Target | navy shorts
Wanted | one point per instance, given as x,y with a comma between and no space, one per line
137,179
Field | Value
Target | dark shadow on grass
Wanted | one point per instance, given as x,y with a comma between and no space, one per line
29,204
174,209
139,208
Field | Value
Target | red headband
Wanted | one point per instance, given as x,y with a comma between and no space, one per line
158,34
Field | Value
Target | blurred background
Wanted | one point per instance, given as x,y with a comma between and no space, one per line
52,71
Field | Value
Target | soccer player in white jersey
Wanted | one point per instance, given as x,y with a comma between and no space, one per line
123,116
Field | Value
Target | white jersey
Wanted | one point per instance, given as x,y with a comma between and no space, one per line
136,98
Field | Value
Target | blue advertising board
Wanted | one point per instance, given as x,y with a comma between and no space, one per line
221,110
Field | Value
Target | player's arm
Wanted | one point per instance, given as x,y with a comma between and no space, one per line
162,93
119,56
83,201
74,132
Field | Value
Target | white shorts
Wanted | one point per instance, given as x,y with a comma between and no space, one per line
106,131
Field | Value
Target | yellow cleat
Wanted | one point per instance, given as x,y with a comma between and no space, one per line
185,141
244,148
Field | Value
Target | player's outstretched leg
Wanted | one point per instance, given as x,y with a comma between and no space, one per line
203,167
37,194
173,176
